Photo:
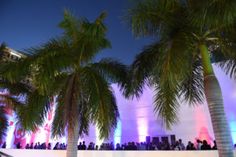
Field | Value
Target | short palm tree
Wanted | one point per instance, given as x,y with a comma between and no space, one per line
189,35
9,94
9,101
2,51
65,68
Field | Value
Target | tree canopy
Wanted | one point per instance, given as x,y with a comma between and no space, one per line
172,63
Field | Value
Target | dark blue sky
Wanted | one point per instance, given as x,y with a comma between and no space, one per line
27,23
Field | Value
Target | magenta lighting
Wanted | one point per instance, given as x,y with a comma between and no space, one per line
137,120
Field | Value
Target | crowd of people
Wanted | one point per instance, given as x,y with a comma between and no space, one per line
178,145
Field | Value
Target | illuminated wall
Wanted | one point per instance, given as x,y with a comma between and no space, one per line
137,119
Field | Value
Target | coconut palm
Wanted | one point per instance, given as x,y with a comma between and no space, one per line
65,68
189,35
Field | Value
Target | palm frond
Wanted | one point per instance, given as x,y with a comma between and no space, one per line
10,101
33,113
2,51
167,68
212,13
166,103
172,67
229,67
3,122
48,61
147,17
111,113
71,108
226,59
112,70
84,116
166,80
104,112
69,96
141,70
59,88
15,71
71,101
192,88
88,38
16,88
91,40
13,93
3,47
224,52
70,24
59,123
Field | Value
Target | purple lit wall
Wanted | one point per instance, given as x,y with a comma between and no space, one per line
137,119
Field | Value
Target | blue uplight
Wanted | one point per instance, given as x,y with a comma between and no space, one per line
233,130
118,133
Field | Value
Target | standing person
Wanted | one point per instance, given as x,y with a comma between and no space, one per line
80,146
84,146
4,145
27,146
199,144
49,147
205,145
215,146
56,147
18,145
32,145
188,147
181,145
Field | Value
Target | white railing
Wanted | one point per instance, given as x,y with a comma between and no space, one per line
62,153
4,154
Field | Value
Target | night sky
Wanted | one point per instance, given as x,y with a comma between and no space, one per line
27,23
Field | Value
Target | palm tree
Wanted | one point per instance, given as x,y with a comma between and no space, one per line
2,50
189,35
64,67
10,92
10,101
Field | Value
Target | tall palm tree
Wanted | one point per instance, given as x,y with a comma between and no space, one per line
189,35
65,68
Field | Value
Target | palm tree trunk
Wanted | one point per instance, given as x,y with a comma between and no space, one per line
218,118
72,141
216,107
